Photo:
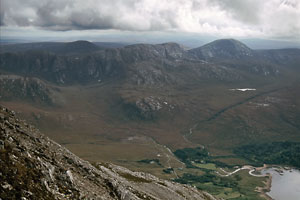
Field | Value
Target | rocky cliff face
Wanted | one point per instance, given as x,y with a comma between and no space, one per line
145,64
27,89
63,69
35,167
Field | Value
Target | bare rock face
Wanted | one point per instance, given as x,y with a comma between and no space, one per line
140,64
35,167
25,88
148,106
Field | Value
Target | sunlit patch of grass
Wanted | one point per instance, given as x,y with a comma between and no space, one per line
210,166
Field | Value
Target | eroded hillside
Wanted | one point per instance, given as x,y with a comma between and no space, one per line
35,167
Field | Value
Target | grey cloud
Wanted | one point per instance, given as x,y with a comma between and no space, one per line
227,17
90,14
247,11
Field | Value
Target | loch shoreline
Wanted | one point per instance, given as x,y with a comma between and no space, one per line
276,177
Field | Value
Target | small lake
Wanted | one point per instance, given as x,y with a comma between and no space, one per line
285,185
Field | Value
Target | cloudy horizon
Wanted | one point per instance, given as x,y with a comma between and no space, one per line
270,19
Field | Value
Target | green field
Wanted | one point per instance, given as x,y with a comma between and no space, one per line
240,185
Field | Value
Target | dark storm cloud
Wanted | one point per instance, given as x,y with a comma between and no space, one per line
227,17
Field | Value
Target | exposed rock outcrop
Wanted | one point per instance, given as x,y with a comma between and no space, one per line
34,90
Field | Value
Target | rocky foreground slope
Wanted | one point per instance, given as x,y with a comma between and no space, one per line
35,167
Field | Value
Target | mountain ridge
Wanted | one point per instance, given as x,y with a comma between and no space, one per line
117,62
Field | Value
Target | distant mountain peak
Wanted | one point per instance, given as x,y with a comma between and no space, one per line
81,44
224,49
149,51
228,44
172,44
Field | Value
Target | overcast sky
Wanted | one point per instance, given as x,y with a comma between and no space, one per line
269,19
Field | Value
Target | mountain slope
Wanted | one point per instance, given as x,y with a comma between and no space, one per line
34,167
166,63
154,99
223,49
32,90
145,64
235,54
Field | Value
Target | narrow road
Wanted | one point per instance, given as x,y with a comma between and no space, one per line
250,168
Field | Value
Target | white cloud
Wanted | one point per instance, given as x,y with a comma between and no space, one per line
228,18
